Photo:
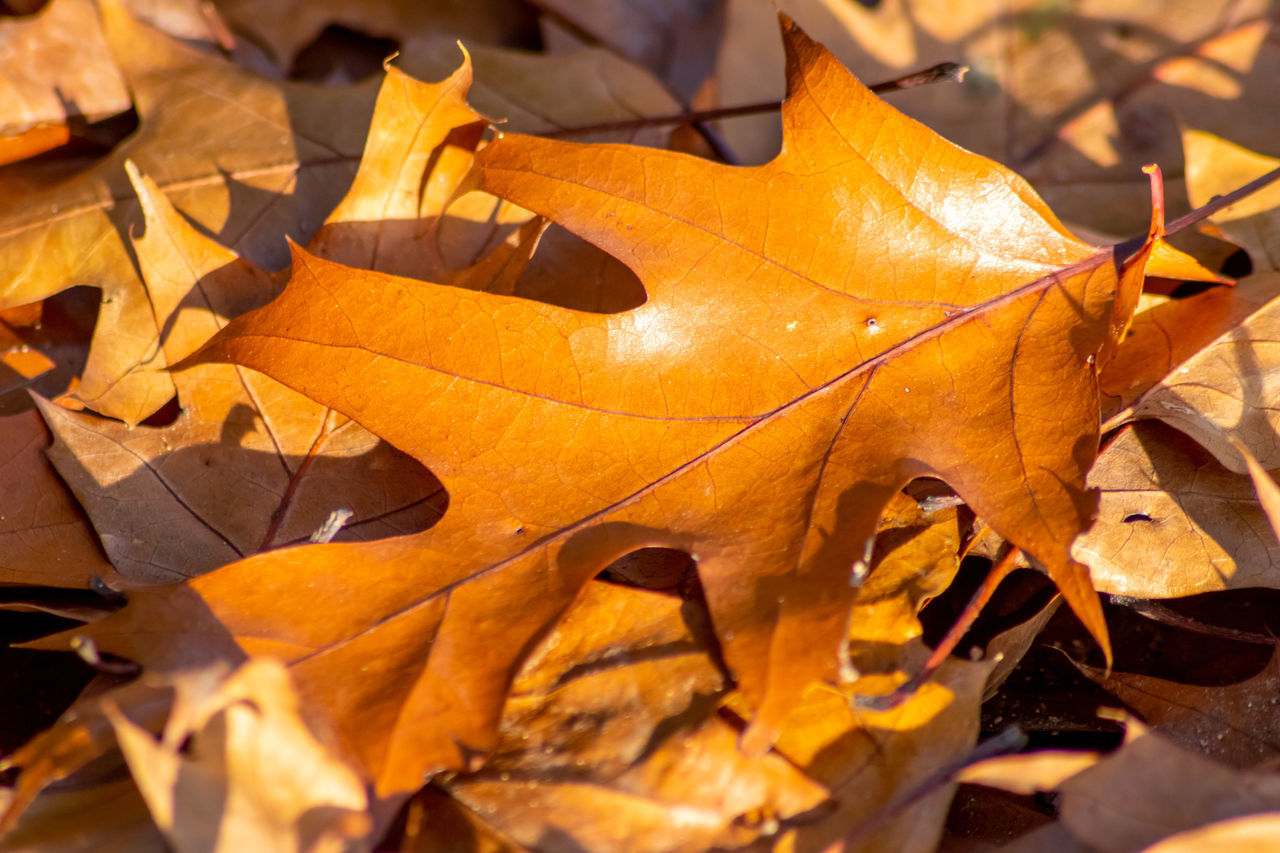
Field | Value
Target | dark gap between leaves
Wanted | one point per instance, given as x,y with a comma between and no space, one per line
339,53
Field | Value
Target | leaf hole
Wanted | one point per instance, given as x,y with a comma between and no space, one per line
651,568
1135,517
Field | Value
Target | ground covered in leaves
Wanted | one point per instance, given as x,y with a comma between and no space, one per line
614,426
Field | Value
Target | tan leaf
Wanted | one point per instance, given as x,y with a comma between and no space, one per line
248,464
1173,522
45,538
249,159
252,776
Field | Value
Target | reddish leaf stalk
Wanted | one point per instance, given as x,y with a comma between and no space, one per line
972,610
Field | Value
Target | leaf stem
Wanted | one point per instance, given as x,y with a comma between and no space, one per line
1001,570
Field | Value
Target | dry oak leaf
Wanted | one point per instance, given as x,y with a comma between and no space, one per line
247,464
1173,522
870,760
44,536
402,214
1167,332
237,768
611,739
247,158
1225,389
1254,223
1236,724
56,67
1151,788
285,28
107,817
873,306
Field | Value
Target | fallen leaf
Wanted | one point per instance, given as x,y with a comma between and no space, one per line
869,759
1031,772
913,561
692,792
46,538
1235,724
1141,794
248,464
668,37
249,159
1168,333
1224,390
1075,97
238,769
762,465
57,68
106,817
65,751
1215,166
1263,483
436,823
610,738
285,28
1252,832
1173,522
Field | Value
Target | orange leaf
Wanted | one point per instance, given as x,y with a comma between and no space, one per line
873,306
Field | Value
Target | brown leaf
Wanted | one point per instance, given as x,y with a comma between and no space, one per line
1224,389
1173,522
249,159
1215,167
64,751
46,539
610,739
1150,789
1074,99
1168,332
1237,724
869,759
1251,832
248,464
107,817
285,27
238,769
57,67
623,664
403,215
1031,772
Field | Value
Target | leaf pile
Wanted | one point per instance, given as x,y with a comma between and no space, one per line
505,435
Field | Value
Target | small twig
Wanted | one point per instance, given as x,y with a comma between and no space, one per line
1219,202
939,72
